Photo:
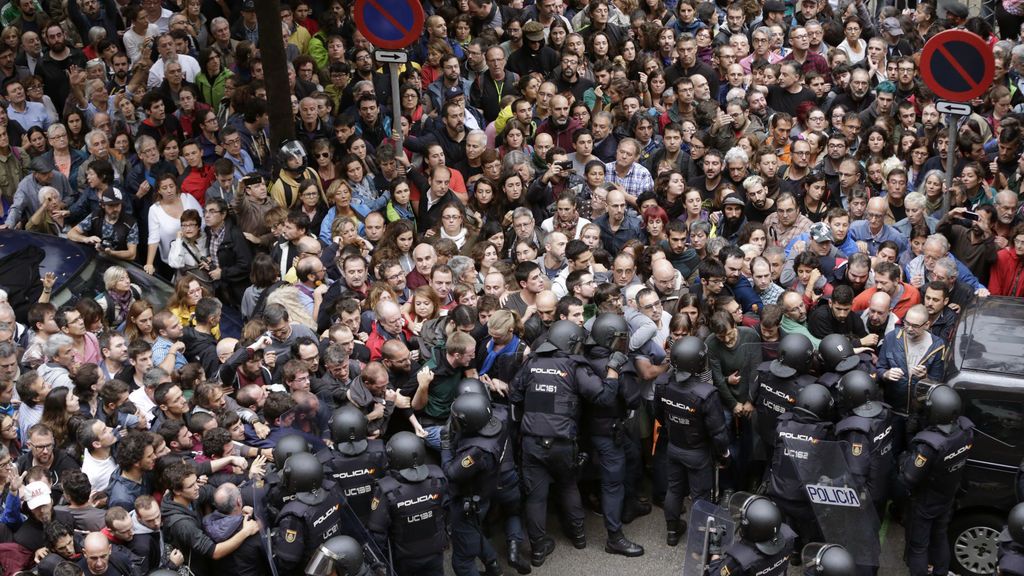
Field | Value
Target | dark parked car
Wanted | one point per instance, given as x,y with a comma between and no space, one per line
986,366
79,271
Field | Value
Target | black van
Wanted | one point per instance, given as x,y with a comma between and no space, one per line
985,363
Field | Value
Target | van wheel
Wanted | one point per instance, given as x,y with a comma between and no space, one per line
973,540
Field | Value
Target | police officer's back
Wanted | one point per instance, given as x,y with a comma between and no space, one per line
276,496
355,462
1011,544
409,508
866,429
547,393
779,382
310,518
809,423
479,441
764,543
933,469
691,413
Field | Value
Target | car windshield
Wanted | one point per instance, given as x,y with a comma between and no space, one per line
994,338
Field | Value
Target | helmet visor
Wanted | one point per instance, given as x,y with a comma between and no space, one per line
322,563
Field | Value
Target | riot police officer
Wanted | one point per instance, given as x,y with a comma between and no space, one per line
827,560
691,414
310,518
507,496
478,442
836,357
779,382
276,495
1011,544
547,392
764,543
339,556
355,462
409,508
866,428
606,426
932,469
809,422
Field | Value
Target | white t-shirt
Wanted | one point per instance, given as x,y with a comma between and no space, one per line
163,228
98,471
133,42
189,67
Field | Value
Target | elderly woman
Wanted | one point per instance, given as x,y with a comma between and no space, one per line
165,222
188,251
118,296
50,217
915,206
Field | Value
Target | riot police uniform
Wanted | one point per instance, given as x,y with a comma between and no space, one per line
1011,544
764,545
606,426
779,382
933,469
310,518
808,423
547,392
409,509
836,358
355,462
479,440
507,496
339,556
272,496
691,414
866,429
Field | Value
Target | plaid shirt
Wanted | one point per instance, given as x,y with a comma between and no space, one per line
781,236
215,239
637,181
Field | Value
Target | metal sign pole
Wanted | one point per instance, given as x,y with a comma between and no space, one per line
396,109
950,161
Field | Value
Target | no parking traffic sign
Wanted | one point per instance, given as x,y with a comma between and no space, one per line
389,24
957,65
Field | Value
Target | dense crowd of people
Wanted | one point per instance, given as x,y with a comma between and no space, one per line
590,213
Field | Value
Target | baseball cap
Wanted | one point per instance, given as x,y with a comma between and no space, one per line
957,9
533,31
892,26
41,164
733,200
774,6
248,6
111,196
37,494
820,232
453,92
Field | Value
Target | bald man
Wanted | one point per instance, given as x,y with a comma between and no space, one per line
424,257
560,126
873,230
618,227
667,282
553,260
98,559
879,318
544,313
794,316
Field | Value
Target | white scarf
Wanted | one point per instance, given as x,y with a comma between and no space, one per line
459,239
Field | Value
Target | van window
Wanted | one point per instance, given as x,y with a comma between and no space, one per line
1001,419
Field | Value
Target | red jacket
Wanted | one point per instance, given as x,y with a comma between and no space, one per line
1006,278
377,340
196,182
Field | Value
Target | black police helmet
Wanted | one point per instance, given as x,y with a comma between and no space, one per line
834,560
566,336
795,355
760,520
689,354
608,331
944,406
302,472
472,386
1015,523
837,353
856,388
471,413
287,446
815,400
407,453
341,555
349,429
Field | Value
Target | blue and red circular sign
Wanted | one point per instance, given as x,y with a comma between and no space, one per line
389,24
957,65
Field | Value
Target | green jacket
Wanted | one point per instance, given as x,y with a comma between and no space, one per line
443,388
212,91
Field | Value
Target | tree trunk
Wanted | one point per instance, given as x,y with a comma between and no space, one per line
275,72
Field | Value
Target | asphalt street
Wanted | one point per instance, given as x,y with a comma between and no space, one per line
658,558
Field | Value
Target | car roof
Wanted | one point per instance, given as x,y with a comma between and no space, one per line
990,337
61,254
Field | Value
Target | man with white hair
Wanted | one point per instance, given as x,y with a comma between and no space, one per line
914,206
57,371
936,247
165,47
390,325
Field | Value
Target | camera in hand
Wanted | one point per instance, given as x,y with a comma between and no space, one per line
106,244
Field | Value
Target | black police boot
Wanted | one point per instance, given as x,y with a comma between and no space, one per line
516,559
492,568
619,544
675,532
634,509
541,551
579,539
